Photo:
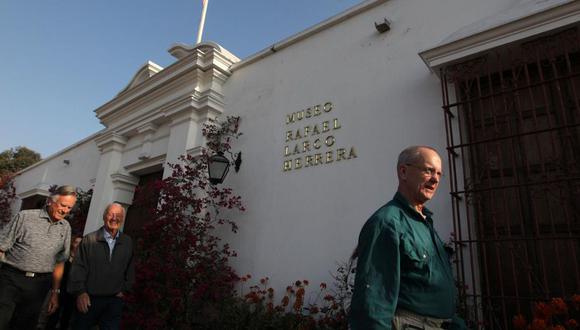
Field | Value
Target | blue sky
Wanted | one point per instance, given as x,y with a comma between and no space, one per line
64,58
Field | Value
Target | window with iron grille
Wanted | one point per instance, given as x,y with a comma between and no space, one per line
513,138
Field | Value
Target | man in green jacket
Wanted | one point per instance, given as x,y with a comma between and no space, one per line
404,278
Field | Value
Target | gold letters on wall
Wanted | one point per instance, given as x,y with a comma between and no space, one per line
310,139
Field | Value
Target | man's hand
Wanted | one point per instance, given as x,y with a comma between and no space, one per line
83,302
52,302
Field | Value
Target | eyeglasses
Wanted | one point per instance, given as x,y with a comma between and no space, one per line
427,171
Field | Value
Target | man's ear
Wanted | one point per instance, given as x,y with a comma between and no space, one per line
402,172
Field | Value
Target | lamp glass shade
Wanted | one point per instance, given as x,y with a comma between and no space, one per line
218,168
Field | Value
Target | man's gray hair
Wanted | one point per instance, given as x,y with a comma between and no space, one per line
63,191
411,155
111,205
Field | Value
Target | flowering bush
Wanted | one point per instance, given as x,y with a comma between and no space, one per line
183,275
260,308
7,195
325,307
556,314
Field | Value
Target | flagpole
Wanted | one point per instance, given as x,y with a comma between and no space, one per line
202,21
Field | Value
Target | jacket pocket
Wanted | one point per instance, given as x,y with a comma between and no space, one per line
415,257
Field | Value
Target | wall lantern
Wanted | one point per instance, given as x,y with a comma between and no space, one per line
218,167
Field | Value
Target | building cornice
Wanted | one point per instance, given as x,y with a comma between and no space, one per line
147,71
111,141
124,181
41,190
192,83
514,31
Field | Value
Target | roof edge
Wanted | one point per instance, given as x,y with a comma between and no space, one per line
58,153
510,32
326,24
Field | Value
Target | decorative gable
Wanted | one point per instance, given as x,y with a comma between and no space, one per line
147,71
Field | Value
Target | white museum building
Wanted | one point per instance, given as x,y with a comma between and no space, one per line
493,85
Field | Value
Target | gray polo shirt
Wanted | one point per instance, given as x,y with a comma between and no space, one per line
32,242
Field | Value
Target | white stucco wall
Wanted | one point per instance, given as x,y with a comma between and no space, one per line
80,172
299,223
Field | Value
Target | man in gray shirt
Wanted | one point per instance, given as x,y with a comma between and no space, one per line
34,245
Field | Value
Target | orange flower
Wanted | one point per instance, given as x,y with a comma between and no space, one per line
323,285
542,311
571,324
285,301
298,283
576,300
559,306
305,282
519,322
298,304
328,297
538,324
300,292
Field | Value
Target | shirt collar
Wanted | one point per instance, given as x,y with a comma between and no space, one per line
405,204
108,236
44,214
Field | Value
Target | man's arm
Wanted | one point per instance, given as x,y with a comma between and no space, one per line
78,276
9,232
129,274
57,274
377,279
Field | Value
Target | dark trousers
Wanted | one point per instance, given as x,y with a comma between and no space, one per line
21,298
104,312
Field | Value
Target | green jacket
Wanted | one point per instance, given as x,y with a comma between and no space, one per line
402,263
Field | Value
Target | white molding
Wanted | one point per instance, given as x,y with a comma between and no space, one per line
148,128
111,141
517,30
146,71
181,50
145,164
123,181
195,151
146,146
190,85
41,190
203,58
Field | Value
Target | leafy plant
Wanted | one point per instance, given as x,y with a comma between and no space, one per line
183,274
7,196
